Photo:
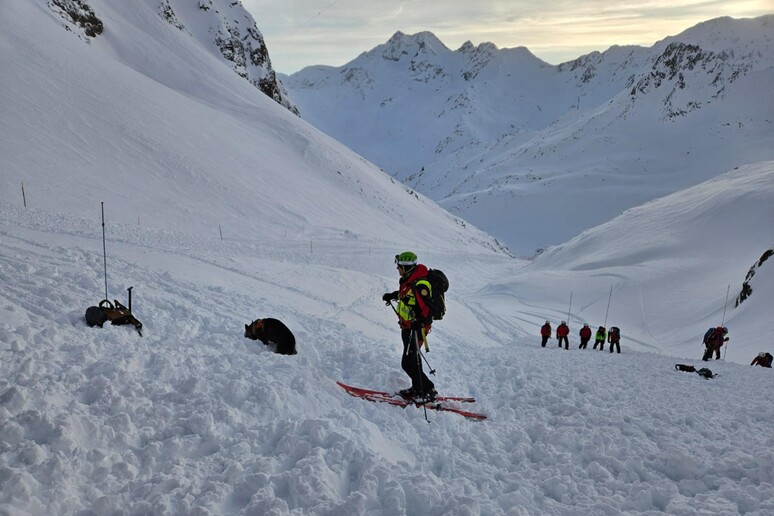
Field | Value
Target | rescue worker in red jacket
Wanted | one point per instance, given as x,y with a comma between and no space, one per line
545,333
414,320
714,339
585,336
562,331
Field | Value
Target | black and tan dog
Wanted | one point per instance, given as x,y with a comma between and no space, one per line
272,331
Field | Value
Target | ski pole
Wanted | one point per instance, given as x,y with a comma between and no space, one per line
415,342
569,310
432,371
723,320
725,305
104,251
608,305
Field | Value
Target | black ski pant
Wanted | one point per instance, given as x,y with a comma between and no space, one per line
584,343
566,342
411,362
615,345
708,352
545,341
600,343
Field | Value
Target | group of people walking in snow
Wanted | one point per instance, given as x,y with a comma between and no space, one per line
714,339
613,337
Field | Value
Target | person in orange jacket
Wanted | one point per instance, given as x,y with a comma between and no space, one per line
585,336
562,331
545,333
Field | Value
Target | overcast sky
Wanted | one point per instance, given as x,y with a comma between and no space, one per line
333,32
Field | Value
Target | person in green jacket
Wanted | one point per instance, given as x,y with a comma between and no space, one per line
599,338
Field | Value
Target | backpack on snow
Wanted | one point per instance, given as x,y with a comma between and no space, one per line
703,372
114,312
439,284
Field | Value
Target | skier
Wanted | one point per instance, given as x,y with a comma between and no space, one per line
545,333
714,339
562,331
599,338
414,320
585,336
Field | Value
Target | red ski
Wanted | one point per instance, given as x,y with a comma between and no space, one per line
441,403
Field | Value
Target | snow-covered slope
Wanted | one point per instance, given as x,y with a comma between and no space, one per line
705,238
149,121
498,136
193,418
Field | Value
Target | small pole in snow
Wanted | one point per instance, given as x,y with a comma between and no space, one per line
608,304
725,305
723,321
221,231
24,197
104,251
569,310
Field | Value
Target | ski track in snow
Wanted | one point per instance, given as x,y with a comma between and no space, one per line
194,419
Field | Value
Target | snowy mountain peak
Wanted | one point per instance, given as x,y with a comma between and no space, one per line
503,133
414,45
747,36
482,48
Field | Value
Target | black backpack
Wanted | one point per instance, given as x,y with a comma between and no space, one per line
709,337
705,373
439,284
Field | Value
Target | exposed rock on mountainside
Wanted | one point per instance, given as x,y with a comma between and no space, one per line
79,14
672,67
747,290
240,44
224,26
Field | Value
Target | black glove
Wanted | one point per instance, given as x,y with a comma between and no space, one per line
389,296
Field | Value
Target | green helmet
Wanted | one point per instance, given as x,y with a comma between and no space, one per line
406,259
